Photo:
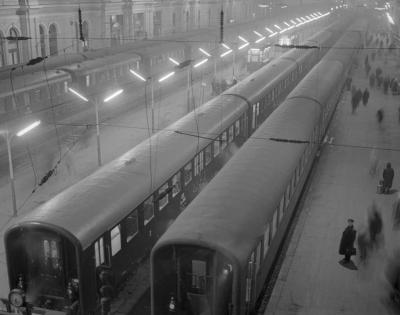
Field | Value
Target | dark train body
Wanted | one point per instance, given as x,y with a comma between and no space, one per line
84,241
215,258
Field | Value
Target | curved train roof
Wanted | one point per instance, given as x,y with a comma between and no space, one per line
231,213
98,202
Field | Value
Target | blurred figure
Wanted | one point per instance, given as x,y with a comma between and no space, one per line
379,116
346,246
365,97
373,159
388,174
363,243
396,213
372,80
375,225
392,273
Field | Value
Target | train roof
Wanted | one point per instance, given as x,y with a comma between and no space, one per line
231,213
100,201
30,80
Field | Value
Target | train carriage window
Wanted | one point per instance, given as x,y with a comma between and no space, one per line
36,96
216,147
237,128
115,239
208,153
87,80
258,258
163,196
176,184
99,251
148,210
223,140
231,131
199,274
131,225
65,86
266,241
201,160
196,165
55,255
187,173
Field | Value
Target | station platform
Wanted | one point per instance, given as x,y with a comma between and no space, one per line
311,280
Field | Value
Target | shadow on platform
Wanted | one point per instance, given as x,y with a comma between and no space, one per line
349,265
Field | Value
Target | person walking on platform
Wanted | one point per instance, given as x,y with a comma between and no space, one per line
379,116
375,225
365,97
388,174
372,80
346,246
363,244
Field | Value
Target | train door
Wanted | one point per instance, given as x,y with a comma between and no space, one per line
255,114
250,284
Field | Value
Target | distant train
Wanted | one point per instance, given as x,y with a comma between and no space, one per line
215,258
71,253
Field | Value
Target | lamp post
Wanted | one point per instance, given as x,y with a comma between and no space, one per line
8,138
96,106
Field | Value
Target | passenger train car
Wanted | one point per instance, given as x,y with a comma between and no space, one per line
71,253
215,258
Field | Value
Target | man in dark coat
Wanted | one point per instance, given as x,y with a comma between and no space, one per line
388,174
365,97
346,247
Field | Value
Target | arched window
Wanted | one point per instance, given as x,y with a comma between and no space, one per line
42,36
2,50
53,39
13,47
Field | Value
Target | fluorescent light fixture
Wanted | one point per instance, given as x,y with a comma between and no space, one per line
78,94
260,39
166,76
305,20
226,46
284,6
257,33
269,30
137,75
200,63
263,5
273,34
204,52
115,94
277,26
298,19
243,46
226,53
29,128
243,39
319,13
286,23
389,18
293,22
173,61
283,31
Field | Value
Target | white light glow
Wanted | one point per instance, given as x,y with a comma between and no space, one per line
173,61
243,46
286,23
283,31
226,53
260,39
166,76
263,5
78,94
115,94
298,19
200,63
273,34
226,46
257,33
243,39
204,52
137,75
293,22
389,18
269,30
277,26
29,128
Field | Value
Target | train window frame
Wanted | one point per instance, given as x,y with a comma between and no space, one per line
176,182
201,161
282,207
148,201
267,240
231,133
163,202
237,128
188,169
274,224
99,251
115,240
287,195
224,140
196,165
216,148
130,237
208,154
258,256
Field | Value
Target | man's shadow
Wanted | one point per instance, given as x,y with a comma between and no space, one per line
349,265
